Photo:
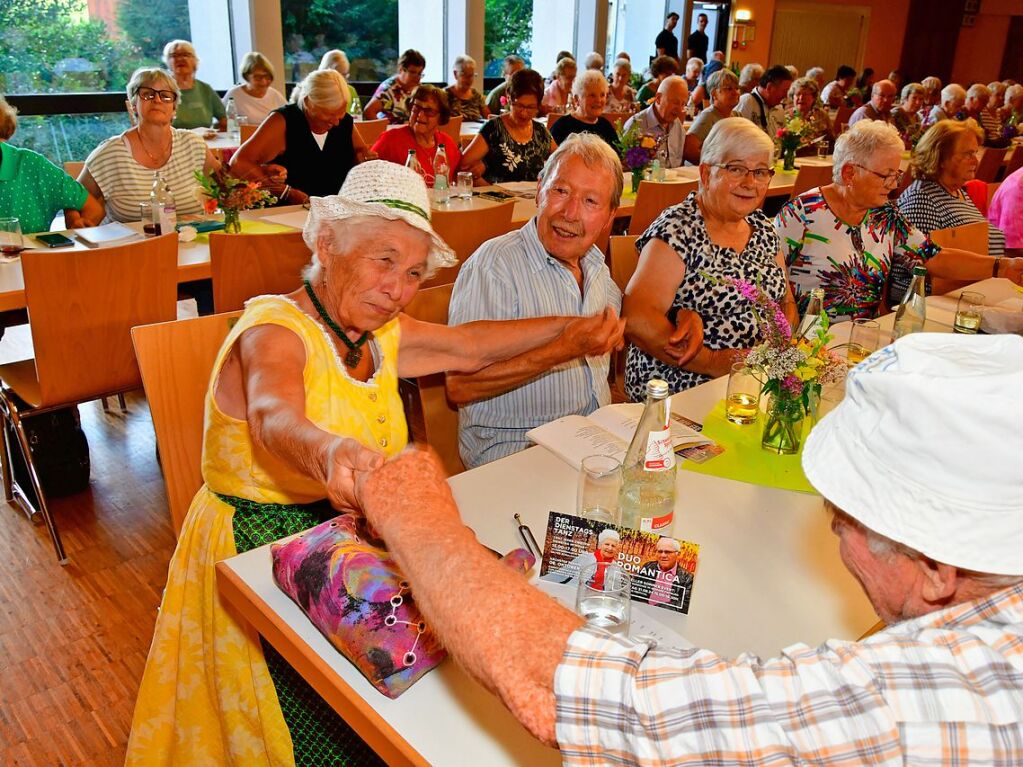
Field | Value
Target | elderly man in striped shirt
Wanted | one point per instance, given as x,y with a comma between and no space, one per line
549,267
919,465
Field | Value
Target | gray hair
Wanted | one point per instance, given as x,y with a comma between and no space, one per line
461,60
751,73
323,88
864,139
566,63
622,64
8,119
805,83
733,136
254,60
720,79
695,62
336,60
173,45
978,91
675,545
595,154
594,60
815,72
608,534
1013,91
953,92
910,88
588,79
931,84
146,77
339,237
792,71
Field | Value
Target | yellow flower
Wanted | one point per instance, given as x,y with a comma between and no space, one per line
805,373
647,142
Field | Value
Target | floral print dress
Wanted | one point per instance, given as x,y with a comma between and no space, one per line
508,160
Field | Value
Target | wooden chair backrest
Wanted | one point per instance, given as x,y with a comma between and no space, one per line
617,119
842,117
466,230
971,237
370,130
991,160
245,131
453,129
991,189
652,198
552,118
247,265
623,259
73,168
1015,161
82,305
432,419
810,176
176,359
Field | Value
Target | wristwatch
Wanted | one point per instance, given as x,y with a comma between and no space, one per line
998,261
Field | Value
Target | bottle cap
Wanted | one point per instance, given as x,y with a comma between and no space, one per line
919,270
657,388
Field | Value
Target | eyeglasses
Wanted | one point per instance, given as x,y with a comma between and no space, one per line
425,111
969,154
888,179
148,94
738,172
524,108
261,76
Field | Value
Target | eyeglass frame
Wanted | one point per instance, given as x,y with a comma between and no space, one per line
157,94
518,105
886,178
758,178
428,111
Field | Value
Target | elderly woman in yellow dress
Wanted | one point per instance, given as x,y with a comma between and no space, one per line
303,394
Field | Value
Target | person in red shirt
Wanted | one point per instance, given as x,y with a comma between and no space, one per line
430,110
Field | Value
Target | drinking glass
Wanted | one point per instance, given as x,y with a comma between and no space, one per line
863,340
602,597
11,241
742,402
600,481
150,226
968,312
822,150
464,185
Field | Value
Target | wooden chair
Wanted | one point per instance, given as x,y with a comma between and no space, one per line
991,160
552,118
810,176
82,305
432,419
991,189
623,261
841,118
971,237
453,129
1015,162
73,168
245,131
176,359
466,230
370,130
617,119
652,198
247,265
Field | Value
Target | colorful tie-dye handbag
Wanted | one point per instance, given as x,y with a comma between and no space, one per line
354,593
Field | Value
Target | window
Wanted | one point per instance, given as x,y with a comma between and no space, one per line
508,30
366,30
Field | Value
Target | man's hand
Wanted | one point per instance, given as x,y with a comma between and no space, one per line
594,336
687,339
344,459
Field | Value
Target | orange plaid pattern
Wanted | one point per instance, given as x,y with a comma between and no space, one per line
943,689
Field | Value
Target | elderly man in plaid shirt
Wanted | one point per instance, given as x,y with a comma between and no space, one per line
920,466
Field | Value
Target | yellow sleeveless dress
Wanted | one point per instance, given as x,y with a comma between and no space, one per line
206,696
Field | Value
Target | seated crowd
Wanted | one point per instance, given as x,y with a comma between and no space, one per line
299,427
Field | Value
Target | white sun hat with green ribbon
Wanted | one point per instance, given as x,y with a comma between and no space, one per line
384,189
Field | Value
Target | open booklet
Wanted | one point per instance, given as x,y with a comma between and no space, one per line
608,430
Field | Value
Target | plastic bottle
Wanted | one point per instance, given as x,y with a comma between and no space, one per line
812,316
647,497
233,131
656,171
165,211
412,162
441,192
912,312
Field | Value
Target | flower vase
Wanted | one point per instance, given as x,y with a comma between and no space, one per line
783,426
637,176
232,222
788,158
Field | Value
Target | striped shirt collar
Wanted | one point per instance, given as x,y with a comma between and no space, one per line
540,259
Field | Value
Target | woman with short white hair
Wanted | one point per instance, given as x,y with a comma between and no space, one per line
716,233
723,87
905,115
1013,108
590,93
749,77
338,61
199,106
848,237
305,148
555,96
620,95
953,97
463,98
693,69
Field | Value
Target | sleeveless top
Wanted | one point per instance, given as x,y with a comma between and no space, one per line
315,171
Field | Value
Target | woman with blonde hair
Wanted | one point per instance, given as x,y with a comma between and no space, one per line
338,61
305,148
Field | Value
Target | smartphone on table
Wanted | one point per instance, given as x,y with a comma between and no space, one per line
54,240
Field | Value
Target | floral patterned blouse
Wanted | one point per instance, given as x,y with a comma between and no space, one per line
470,109
623,104
728,319
818,124
851,262
508,160
395,102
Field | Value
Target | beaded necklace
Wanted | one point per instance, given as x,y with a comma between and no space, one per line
354,355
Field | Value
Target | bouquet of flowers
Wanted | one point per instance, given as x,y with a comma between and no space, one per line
637,150
792,368
232,195
790,136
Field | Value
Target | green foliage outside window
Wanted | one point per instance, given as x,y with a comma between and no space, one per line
508,29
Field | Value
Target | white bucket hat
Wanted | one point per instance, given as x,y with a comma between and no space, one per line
384,189
926,448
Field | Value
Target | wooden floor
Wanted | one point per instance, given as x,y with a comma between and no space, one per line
73,639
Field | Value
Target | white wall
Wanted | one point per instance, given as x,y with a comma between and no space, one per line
210,28
421,26
635,24
554,29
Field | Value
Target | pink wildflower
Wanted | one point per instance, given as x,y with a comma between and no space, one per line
792,385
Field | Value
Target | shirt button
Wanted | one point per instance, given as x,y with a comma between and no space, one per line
381,418
383,442
372,396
